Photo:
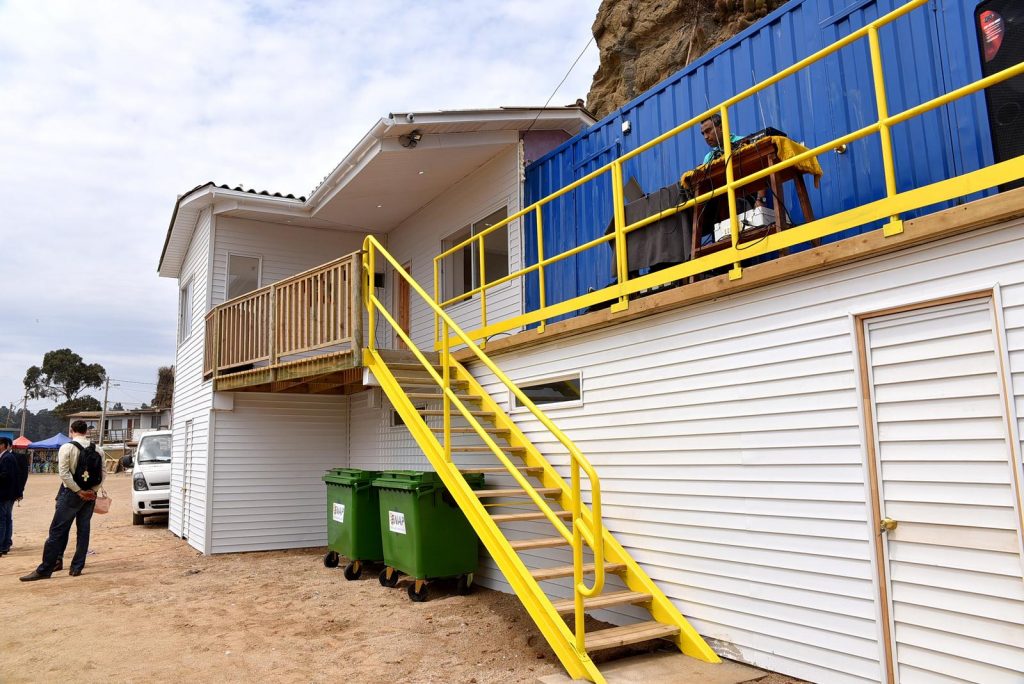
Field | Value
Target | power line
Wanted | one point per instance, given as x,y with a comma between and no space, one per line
551,97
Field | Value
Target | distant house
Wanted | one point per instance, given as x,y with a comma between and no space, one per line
121,426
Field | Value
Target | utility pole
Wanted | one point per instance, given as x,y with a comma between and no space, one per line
24,412
103,413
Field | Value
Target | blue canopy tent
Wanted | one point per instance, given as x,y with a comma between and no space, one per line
55,442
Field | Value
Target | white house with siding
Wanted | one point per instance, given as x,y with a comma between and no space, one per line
247,466
751,436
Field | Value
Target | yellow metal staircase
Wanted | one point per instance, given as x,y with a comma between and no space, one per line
461,429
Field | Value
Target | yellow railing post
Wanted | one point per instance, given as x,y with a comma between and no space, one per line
371,273
483,291
736,272
437,296
621,253
895,225
577,559
540,260
447,377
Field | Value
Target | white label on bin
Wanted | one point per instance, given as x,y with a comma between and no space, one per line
396,522
339,512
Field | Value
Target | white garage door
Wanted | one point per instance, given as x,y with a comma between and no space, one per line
949,481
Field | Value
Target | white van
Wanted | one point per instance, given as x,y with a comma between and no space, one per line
151,476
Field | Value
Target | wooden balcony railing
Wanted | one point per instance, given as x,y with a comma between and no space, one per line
314,311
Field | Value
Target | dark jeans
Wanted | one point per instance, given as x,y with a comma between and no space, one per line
6,524
70,509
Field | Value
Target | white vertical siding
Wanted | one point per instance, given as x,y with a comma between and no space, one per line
192,396
285,250
728,439
418,240
270,453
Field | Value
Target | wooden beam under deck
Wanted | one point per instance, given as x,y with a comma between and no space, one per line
335,373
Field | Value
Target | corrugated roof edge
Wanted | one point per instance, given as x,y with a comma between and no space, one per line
655,89
222,186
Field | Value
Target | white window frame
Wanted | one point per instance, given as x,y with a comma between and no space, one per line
186,304
506,204
227,272
525,383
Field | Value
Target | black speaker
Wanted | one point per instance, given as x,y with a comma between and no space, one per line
1000,25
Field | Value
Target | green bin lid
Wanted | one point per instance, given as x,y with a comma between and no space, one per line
420,481
350,476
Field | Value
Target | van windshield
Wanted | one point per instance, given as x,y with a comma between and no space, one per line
155,449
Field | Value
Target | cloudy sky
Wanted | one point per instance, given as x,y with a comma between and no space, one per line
109,110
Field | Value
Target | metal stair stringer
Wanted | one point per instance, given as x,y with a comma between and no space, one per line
661,608
527,589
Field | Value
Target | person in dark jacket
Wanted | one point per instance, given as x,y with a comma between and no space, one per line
13,476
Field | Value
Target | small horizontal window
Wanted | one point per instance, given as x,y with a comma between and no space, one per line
396,417
562,390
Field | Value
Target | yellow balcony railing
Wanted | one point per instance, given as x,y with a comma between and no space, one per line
890,207
314,311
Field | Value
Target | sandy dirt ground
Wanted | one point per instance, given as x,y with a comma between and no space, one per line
150,608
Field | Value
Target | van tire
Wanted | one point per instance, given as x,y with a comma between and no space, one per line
138,519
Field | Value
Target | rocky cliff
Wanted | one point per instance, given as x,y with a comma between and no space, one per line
644,41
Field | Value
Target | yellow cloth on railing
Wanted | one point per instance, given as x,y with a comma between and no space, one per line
784,149
787,149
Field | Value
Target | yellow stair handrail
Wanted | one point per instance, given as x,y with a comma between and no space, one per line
592,534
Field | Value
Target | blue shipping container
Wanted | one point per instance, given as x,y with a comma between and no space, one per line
930,51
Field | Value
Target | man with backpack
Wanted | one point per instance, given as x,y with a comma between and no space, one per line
13,476
80,465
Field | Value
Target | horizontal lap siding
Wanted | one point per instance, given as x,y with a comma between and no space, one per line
728,436
1013,321
286,250
418,241
192,396
270,453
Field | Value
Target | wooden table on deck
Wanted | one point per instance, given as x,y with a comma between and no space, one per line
749,159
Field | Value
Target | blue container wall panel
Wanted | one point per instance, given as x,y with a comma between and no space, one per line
925,54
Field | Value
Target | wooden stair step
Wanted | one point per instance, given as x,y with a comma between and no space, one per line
615,598
541,543
529,470
416,366
630,634
471,431
426,380
438,396
495,493
399,357
455,412
516,517
486,449
560,571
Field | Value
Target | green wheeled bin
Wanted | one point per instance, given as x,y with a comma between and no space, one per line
425,534
353,519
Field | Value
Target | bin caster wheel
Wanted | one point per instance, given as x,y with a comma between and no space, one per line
465,584
418,596
353,570
386,581
331,559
